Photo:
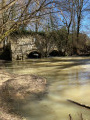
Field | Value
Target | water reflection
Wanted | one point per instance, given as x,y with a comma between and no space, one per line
68,78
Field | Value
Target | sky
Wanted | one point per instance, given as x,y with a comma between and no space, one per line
85,24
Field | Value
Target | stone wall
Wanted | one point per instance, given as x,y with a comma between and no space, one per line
21,46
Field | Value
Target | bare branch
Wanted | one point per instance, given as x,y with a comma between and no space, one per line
7,6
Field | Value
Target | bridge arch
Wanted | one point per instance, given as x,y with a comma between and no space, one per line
54,53
34,54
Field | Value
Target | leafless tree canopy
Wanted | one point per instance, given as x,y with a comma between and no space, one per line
14,13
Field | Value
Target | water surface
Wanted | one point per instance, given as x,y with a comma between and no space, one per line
68,78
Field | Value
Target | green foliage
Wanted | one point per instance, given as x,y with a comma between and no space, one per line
26,32
59,37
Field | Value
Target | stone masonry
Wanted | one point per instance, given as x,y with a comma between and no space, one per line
21,46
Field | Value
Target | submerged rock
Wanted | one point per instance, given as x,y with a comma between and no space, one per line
4,76
23,86
15,89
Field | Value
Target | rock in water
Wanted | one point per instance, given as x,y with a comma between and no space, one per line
4,76
22,86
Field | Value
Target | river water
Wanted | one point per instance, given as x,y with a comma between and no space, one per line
67,78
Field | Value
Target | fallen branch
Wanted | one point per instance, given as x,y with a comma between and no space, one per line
88,107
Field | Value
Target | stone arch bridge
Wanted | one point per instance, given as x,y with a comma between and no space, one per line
23,47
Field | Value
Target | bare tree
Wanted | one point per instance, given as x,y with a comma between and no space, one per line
79,7
45,43
71,15
27,11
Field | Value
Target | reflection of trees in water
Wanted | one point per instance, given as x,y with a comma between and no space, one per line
81,117
81,105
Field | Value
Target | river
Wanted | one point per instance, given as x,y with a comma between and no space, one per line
67,78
